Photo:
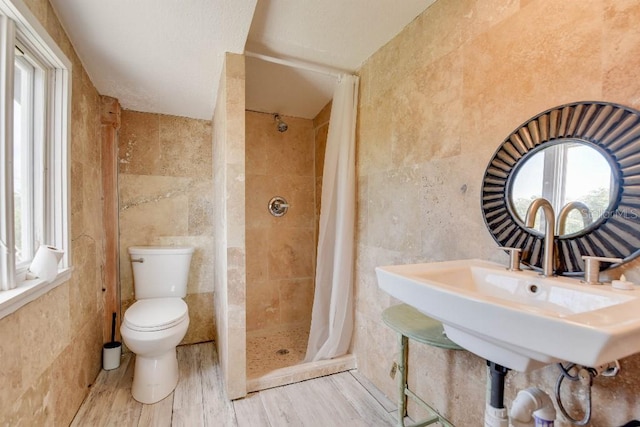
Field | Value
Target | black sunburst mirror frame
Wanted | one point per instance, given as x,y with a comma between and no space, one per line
614,131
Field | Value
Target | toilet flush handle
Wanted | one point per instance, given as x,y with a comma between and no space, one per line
140,260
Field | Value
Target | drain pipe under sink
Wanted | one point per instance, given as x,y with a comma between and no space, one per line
495,414
532,407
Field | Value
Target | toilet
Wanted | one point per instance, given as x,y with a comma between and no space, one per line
156,323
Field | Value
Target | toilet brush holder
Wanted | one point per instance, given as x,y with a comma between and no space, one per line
111,353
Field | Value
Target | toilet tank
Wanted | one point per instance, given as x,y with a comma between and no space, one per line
160,271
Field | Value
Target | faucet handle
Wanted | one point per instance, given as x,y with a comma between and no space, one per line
592,268
514,257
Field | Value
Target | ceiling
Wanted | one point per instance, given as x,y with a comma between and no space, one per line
166,56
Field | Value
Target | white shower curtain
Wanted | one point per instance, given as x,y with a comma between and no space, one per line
332,315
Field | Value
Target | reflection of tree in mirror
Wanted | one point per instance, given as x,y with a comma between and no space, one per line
597,200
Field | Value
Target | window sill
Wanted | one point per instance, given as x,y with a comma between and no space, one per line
28,291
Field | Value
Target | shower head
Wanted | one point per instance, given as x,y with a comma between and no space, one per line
282,126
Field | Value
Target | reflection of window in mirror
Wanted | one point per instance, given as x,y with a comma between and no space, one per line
563,173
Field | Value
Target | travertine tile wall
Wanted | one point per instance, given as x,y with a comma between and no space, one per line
229,224
435,103
52,347
165,194
280,250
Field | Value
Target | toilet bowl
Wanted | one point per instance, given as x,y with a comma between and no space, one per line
152,329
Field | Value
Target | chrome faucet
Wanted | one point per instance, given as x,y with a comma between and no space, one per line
549,228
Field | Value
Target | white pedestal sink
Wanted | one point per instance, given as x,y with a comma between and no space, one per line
520,320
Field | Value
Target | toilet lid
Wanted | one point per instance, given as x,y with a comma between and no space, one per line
155,314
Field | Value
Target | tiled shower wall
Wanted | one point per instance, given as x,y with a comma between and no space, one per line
165,190
435,103
229,224
280,250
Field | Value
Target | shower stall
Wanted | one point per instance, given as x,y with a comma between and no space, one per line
268,180
281,244
281,248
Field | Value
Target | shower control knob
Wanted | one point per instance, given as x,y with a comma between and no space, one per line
278,206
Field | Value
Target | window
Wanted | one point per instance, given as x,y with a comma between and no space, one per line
27,149
34,96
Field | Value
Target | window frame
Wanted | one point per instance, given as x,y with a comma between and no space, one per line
21,29
32,165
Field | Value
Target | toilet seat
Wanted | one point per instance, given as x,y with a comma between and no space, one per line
156,314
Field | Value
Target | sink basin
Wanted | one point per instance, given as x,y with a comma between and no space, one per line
520,320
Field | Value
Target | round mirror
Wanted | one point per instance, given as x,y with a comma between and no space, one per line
584,158
574,177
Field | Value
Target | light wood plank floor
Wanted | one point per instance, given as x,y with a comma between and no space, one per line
199,400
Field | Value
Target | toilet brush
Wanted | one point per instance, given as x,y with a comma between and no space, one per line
112,350
113,328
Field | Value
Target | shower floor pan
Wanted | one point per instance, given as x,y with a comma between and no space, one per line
275,359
